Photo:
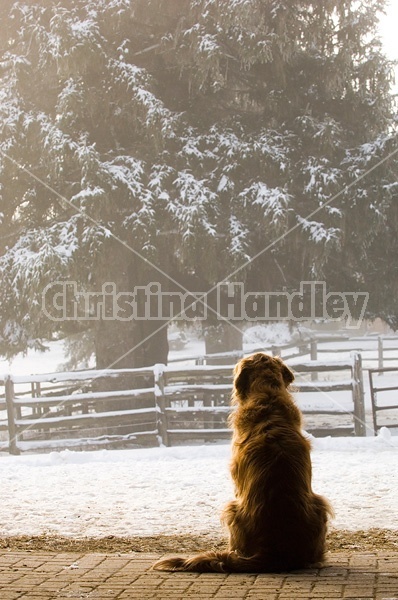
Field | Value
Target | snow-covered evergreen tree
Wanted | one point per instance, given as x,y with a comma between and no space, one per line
194,134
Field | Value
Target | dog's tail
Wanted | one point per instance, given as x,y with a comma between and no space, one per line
213,562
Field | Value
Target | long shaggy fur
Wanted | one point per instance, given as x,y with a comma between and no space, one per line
276,522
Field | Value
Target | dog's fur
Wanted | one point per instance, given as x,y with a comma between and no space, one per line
276,523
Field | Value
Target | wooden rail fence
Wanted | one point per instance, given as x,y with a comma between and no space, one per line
383,349
161,405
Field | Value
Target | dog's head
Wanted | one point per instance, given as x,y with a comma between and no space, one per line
259,370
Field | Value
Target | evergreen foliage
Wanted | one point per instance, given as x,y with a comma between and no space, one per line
193,133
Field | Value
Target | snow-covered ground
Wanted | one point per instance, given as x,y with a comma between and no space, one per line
181,489
34,362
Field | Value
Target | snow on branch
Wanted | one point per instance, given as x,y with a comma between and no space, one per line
319,233
138,84
192,206
274,201
38,256
126,171
322,178
361,158
239,234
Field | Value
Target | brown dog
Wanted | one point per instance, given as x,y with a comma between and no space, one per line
276,523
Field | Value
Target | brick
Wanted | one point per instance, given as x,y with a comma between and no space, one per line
46,576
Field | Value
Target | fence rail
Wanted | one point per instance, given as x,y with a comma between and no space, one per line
379,346
160,405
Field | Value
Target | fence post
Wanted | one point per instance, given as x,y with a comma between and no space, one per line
11,414
373,398
380,351
160,402
314,356
358,395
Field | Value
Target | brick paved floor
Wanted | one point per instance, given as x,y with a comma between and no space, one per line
48,576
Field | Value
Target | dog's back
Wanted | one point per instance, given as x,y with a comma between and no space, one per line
275,515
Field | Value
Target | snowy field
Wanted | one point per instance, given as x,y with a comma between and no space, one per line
181,490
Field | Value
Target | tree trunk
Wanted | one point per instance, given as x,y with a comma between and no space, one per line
131,343
222,337
136,341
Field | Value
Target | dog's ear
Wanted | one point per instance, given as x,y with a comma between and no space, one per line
242,383
287,374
